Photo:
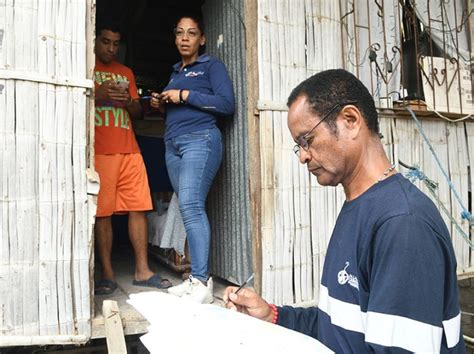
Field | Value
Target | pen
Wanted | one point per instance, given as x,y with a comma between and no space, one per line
244,283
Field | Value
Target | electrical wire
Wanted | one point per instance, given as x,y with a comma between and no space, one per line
351,48
440,115
351,41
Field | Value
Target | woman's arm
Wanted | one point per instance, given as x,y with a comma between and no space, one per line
222,101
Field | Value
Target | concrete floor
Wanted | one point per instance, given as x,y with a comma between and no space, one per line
133,322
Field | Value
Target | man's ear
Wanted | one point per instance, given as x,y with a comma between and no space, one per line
353,120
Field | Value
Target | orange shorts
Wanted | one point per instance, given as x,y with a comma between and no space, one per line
123,184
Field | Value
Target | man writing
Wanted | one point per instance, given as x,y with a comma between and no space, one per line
123,179
389,280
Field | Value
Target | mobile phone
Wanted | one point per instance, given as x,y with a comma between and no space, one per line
122,84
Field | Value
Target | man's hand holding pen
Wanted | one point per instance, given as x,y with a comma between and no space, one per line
249,302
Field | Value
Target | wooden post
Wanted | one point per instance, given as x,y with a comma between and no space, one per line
251,22
90,34
113,327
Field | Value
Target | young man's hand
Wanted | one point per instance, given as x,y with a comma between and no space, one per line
109,90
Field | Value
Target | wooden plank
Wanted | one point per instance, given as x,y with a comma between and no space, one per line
291,254
317,229
251,56
278,229
470,142
113,328
294,66
39,136
268,262
6,138
264,67
62,120
3,35
437,135
9,174
82,242
47,195
278,233
43,340
8,58
26,205
408,143
386,129
458,173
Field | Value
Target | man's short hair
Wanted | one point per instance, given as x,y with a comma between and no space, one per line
330,87
107,26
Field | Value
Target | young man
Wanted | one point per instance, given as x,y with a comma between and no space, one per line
123,179
389,280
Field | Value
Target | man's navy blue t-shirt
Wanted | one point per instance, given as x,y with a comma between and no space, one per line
210,95
389,281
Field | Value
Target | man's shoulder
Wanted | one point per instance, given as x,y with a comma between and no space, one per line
397,191
402,201
394,197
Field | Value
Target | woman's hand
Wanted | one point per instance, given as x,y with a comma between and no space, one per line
249,302
172,96
156,102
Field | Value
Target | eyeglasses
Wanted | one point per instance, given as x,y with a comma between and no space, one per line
303,142
190,32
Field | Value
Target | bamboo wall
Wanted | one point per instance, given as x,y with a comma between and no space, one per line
297,39
295,232
45,215
454,146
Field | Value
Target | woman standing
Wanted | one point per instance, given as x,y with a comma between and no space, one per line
199,91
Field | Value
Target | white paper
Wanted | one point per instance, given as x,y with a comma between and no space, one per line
181,326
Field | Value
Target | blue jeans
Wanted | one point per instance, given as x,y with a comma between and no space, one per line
193,160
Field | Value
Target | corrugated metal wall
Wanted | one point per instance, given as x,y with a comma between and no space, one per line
228,201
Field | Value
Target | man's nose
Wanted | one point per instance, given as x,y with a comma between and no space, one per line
304,156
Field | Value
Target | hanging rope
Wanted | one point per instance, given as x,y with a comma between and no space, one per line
465,214
414,174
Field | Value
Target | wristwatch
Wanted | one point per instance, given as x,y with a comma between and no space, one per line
181,100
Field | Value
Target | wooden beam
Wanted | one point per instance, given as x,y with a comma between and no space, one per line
466,273
10,341
251,57
90,39
24,75
113,328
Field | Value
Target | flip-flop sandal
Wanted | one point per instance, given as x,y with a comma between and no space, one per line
154,281
105,287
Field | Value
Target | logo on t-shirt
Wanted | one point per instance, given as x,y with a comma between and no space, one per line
194,73
343,277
